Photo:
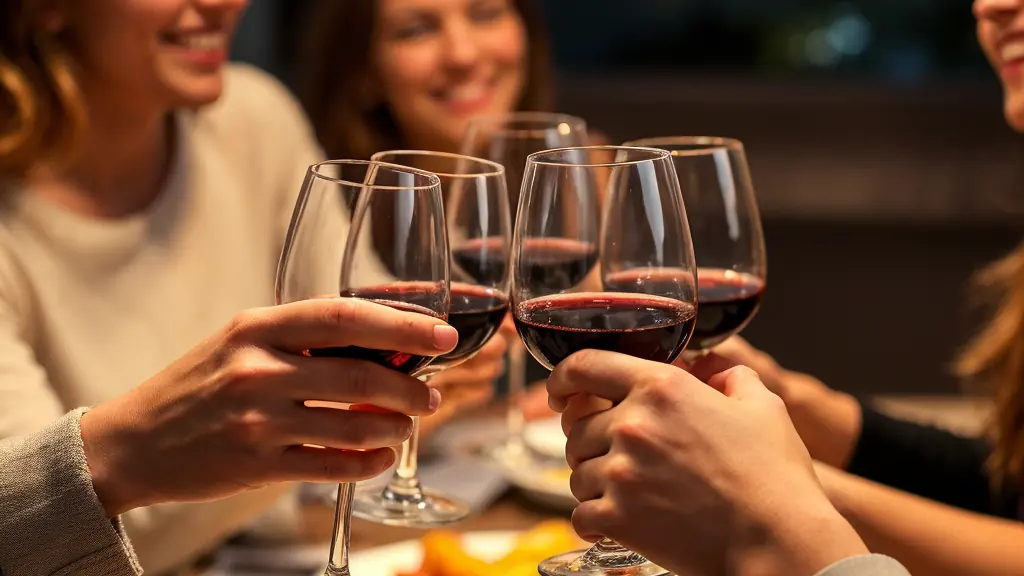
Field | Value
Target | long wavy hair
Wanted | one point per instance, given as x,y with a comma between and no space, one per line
42,112
995,358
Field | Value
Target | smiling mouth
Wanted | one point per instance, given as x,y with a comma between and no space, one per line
468,96
204,41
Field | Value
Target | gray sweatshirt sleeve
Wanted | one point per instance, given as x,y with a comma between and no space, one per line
51,521
866,565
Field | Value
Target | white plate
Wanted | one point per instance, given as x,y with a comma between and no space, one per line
406,556
546,437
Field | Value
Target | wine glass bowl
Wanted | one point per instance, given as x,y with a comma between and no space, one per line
642,303
726,228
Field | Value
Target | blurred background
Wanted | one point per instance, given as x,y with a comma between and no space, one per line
883,167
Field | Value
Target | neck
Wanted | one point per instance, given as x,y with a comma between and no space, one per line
122,164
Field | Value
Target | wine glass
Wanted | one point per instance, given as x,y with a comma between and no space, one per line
726,229
508,139
477,215
326,255
646,302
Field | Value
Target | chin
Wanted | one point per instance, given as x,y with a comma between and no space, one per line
195,92
1014,112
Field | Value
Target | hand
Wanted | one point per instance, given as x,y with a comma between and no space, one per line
708,479
828,421
229,416
468,385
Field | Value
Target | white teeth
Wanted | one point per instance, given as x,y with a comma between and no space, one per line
206,41
1012,51
467,92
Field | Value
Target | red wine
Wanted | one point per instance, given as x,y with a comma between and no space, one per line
649,327
485,260
551,264
476,312
416,297
727,300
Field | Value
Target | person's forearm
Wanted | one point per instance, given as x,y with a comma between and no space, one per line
828,421
929,538
802,538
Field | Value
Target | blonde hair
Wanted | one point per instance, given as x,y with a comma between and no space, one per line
42,113
996,357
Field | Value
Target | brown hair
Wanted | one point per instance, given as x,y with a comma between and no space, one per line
42,114
339,78
996,357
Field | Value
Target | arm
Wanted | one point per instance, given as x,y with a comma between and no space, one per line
931,539
929,462
51,520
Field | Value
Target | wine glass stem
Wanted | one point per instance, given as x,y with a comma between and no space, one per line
404,486
516,391
338,565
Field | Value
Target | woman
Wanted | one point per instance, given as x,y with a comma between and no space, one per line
210,426
969,519
145,188
391,74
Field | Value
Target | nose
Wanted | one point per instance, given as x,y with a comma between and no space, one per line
996,9
460,46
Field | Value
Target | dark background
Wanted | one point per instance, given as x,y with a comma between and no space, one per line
883,166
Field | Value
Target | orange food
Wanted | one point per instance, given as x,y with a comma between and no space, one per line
443,554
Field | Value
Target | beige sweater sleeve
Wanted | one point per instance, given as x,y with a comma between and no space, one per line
51,522
866,565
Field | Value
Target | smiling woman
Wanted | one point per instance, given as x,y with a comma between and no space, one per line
387,74
145,188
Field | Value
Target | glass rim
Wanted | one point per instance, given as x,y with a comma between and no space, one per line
700,144
557,118
433,180
659,154
496,169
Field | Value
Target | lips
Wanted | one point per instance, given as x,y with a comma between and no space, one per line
1012,51
466,97
207,47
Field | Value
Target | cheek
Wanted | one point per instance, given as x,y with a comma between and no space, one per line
987,36
508,46
407,74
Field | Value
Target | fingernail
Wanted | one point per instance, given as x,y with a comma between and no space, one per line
445,337
435,399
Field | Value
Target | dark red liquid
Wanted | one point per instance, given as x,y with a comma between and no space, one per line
476,312
726,301
553,264
485,260
649,327
405,297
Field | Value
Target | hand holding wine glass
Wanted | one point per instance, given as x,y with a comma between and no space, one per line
646,304
727,488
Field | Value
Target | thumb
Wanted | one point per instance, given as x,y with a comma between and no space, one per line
738,382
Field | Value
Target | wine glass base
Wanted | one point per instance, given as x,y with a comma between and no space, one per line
566,565
429,509
332,571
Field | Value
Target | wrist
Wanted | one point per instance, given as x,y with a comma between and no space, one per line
800,540
828,421
106,446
